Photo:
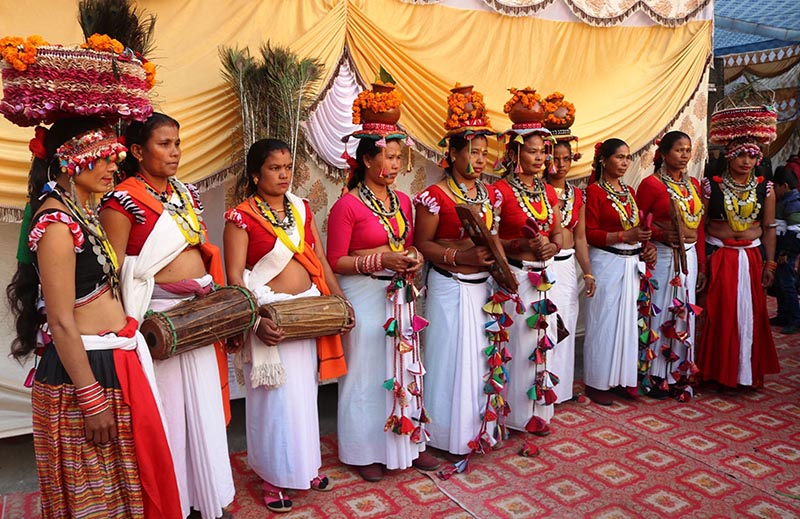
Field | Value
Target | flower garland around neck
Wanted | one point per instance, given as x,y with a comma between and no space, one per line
742,206
567,197
103,251
623,203
182,211
397,239
481,198
529,198
687,198
289,223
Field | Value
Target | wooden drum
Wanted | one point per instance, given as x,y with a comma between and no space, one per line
224,313
309,317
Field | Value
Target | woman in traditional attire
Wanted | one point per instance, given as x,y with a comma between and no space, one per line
370,246
530,231
272,247
737,347
565,293
458,286
660,194
101,449
616,236
153,221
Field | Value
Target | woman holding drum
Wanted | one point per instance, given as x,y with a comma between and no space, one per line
273,248
378,426
153,222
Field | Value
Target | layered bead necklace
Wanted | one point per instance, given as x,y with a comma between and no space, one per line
567,198
396,239
286,225
101,247
533,200
684,193
742,207
481,198
623,203
182,212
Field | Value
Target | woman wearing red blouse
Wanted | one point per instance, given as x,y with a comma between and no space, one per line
370,248
530,255
458,287
615,234
673,356
571,204
273,248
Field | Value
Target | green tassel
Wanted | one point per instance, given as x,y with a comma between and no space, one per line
532,393
389,384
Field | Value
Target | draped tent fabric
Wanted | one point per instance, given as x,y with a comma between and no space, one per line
631,94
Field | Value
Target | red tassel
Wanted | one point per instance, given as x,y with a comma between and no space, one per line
535,424
406,425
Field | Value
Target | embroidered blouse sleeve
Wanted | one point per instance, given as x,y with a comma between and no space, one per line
235,217
195,194
44,219
341,222
122,202
429,199
705,192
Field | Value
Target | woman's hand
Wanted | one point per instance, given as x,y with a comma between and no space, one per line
591,286
701,282
234,344
637,233
649,255
417,257
547,251
268,332
100,428
398,261
478,256
767,278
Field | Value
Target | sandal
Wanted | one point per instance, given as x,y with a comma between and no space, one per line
281,504
321,483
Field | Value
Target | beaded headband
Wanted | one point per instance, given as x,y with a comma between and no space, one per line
748,146
81,152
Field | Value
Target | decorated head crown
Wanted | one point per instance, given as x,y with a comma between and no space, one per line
82,151
732,124
466,113
377,110
101,77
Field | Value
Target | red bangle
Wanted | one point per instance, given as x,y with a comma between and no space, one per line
620,237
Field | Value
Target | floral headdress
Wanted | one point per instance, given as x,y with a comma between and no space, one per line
466,113
377,110
81,152
756,122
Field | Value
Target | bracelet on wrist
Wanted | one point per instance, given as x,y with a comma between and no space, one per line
620,237
589,276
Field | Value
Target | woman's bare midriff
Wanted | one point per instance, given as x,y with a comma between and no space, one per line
293,279
567,238
462,244
720,229
188,265
103,314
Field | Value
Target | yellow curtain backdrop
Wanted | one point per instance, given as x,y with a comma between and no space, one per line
628,82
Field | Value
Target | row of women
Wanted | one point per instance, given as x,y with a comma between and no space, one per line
117,435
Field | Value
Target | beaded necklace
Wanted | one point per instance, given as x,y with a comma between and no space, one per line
288,223
623,203
481,198
742,207
527,197
101,247
684,193
182,212
567,198
396,240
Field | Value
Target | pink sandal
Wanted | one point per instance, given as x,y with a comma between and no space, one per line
274,499
321,483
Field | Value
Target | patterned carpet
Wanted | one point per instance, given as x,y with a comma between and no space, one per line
732,454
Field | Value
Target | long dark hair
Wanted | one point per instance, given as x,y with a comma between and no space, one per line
139,133
605,151
366,148
256,155
23,291
667,142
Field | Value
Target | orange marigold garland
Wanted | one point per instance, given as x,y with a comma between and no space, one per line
554,103
527,96
378,102
464,107
19,52
103,43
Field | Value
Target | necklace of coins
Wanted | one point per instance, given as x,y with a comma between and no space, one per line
269,214
396,242
526,197
683,192
741,202
623,203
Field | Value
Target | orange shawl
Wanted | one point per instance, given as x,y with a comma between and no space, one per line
329,348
